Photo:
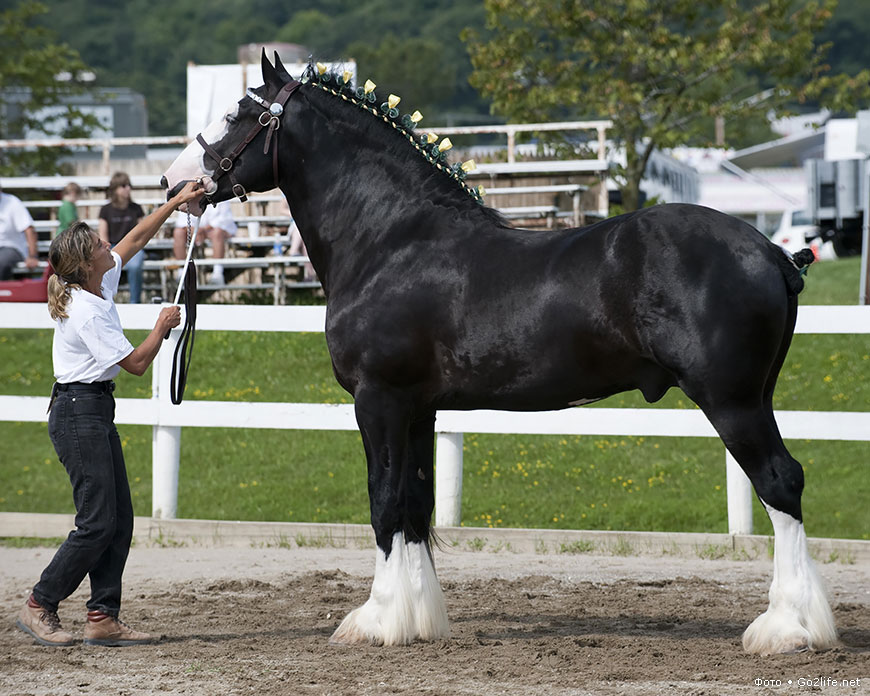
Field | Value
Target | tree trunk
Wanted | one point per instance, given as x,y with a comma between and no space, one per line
630,195
635,166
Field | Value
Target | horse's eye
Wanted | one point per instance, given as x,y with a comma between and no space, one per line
231,119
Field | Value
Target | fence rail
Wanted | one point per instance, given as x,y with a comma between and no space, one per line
168,420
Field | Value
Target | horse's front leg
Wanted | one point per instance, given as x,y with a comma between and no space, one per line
406,602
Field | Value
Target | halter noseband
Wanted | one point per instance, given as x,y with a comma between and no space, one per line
270,118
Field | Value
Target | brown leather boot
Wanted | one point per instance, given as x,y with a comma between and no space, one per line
104,629
43,625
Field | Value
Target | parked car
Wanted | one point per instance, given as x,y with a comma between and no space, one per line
796,231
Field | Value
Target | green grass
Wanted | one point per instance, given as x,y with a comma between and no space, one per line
663,484
31,542
833,282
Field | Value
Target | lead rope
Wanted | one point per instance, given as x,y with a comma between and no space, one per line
184,347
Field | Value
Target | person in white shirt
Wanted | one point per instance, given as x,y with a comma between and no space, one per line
217,225
17,236
88,351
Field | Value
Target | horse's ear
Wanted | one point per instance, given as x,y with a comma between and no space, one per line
270,75
280,69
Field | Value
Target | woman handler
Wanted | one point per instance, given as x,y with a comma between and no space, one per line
89,350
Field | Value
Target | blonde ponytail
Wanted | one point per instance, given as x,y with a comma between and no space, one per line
69,254
58,298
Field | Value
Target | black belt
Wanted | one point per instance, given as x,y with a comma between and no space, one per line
106,387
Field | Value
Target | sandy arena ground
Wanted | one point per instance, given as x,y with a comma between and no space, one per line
257,621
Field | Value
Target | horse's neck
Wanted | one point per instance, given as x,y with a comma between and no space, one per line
351,199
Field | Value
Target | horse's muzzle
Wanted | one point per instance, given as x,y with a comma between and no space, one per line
171,193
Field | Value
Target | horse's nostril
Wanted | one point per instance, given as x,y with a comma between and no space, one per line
163,182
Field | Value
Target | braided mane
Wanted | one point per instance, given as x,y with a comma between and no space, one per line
339,86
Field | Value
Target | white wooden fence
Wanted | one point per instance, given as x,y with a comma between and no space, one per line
168,420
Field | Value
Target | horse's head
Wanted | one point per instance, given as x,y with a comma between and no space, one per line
237,153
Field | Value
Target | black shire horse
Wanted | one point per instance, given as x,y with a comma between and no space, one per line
434,302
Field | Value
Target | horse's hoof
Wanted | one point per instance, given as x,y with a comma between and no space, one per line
775,633
775,646
348,637
352,630
347,641
802,649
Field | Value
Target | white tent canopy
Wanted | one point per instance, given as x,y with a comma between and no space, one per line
212,89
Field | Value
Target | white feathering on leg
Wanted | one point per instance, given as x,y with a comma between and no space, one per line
799,616
406,601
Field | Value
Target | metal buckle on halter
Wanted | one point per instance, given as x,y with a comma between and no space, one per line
239,192
268,120
226,164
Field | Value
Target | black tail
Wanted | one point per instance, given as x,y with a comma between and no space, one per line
793,268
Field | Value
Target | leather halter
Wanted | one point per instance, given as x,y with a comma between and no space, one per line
269,118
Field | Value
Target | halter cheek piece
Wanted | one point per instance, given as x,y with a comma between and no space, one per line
271,119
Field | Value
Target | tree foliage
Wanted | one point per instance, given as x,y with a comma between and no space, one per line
415,50
36,71
660,69
407,48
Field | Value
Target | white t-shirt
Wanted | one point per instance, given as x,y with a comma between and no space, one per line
14,219
89,343
220,216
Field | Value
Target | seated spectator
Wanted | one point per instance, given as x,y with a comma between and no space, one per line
117,218
297,245
67,213
217,225
17,236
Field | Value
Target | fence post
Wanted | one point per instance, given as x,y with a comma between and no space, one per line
739,491
448,479
165,439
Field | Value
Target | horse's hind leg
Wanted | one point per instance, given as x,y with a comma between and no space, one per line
799,616
406,601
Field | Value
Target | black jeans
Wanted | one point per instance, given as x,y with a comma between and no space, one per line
82,430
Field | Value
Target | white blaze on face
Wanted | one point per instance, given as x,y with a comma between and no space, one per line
189,164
